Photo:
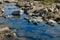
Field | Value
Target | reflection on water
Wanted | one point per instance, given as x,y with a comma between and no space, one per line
28,31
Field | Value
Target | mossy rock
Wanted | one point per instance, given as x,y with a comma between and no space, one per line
49,1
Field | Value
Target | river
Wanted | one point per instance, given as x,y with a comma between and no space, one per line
29,31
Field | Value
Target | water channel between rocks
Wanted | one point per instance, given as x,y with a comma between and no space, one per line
29,31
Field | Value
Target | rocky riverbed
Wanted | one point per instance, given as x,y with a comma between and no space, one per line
29,21
50,12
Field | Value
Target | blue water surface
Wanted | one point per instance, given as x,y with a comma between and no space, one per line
29,31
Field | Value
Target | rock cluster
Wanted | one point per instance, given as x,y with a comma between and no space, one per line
7,34
46,13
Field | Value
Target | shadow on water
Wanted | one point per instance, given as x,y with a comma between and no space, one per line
29,30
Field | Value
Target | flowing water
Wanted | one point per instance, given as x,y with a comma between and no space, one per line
29,31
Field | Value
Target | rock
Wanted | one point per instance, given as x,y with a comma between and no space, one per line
7,34
22,3
39,19
11,1
30,14
51,22
4,15
21,12
57,20
58,6
4,29
0,2
6,1
16,13
17,5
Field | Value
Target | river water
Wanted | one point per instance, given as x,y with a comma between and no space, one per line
29,31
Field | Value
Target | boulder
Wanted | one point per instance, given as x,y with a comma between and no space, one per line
16,13
51,22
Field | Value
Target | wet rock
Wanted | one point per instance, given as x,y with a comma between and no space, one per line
21,12
39,19
4,15
51,22
34,21
16,13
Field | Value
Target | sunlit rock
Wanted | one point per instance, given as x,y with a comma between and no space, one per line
7,34
51,22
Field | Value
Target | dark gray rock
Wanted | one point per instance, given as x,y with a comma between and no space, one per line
16,13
